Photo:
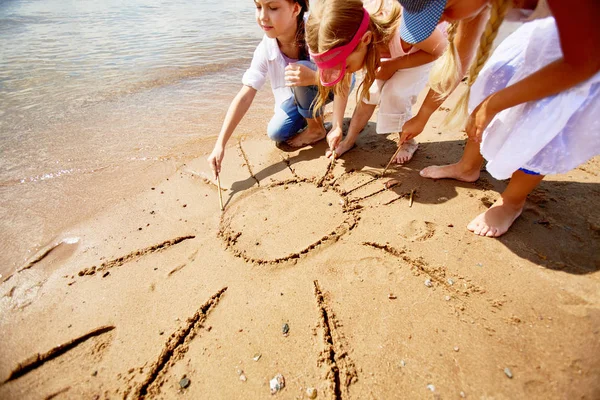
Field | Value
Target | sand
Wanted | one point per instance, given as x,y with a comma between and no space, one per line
164,296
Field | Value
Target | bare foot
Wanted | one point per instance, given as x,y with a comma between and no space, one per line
341,148
407,149
496,221
453,171
306,137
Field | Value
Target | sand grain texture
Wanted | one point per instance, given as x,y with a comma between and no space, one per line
382,300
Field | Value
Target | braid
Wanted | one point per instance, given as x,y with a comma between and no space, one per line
457,117
445,71
499,9
451,31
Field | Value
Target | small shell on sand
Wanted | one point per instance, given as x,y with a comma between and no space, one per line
277,383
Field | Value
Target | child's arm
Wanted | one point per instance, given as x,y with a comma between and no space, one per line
466,42
430,50
360,118
237,109
340,101
580,45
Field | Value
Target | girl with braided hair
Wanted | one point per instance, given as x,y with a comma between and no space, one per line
282,56
535,104
343,38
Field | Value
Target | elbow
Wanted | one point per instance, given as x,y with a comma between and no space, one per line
438,53
439,50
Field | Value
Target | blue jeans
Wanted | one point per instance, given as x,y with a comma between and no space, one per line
290,117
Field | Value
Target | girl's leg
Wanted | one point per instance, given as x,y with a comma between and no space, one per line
314,132
499,217
466,170
286,122
397,98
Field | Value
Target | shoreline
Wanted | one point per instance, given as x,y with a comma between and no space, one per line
37,213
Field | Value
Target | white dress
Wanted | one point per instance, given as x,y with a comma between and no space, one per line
397,95
548,136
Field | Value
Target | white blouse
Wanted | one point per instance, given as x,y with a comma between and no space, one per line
268,62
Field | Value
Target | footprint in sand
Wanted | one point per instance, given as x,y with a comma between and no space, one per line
418,231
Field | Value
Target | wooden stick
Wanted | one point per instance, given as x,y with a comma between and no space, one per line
391,159
333,156
410,201
220,195
394,156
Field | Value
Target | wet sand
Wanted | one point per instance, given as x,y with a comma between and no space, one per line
164,296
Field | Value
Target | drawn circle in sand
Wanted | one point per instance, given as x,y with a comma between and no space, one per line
284,221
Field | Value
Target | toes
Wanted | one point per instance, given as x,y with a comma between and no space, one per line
493,232
427,172
472,225
484,230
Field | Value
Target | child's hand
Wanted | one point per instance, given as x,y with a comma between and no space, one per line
215,158
334,137
300,75
386,70
341,148
412,128
479,119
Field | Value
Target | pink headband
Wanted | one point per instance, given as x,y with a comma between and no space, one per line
332,63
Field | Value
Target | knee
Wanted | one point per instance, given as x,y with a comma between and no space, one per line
274,131
277,131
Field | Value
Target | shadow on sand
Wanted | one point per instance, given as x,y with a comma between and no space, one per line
557,229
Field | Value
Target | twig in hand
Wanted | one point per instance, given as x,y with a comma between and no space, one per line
395,154
220,195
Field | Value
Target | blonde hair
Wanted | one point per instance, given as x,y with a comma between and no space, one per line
445,74
333,23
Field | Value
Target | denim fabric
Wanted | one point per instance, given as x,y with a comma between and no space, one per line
290,117
286,122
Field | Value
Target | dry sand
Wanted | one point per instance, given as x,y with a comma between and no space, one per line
382,300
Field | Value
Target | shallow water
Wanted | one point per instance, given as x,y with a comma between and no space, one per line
99,98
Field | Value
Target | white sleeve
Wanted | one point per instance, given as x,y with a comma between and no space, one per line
256,75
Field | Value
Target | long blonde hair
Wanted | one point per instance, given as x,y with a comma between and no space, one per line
445,74
333,23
